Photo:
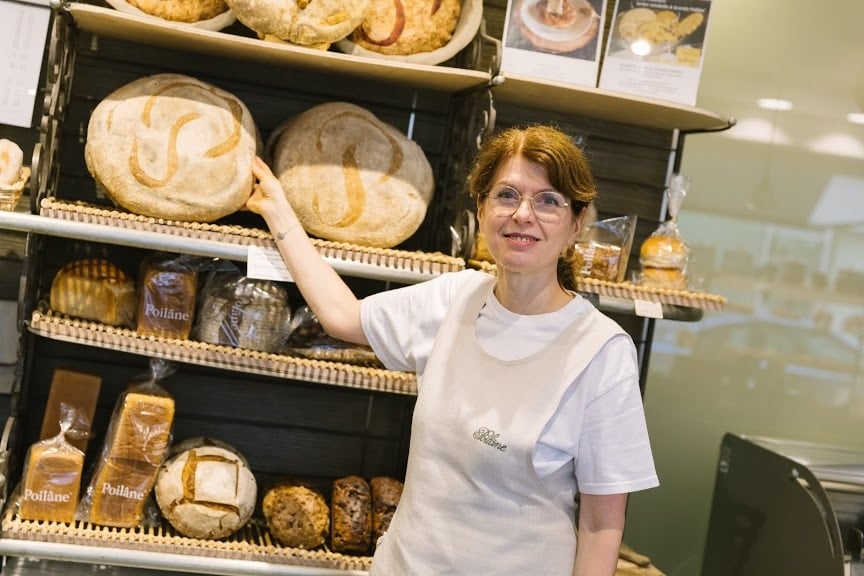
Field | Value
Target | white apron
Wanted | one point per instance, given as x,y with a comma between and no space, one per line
472,503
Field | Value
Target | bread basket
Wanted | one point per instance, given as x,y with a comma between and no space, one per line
11,194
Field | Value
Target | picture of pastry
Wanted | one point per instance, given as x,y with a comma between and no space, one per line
554,26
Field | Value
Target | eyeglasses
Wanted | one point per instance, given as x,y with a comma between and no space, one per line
548,206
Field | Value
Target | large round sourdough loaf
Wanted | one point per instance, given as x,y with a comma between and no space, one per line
171,146
407,26
352,177
312,24
181,10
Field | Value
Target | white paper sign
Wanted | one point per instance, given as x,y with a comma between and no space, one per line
266,264
23,30
648,309
557,41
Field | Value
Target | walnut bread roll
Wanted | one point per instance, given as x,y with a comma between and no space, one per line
296,515
351,177
171,146
386,493
351,510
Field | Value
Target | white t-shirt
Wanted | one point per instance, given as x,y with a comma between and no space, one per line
612,453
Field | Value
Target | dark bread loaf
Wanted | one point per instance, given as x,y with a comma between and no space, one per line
386,493
296,515
166,297
352,515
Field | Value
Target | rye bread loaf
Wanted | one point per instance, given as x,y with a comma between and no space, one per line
386,493
351,177
404,27
312,24
296,515
351,511
171,146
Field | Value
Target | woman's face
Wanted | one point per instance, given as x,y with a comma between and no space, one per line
519,241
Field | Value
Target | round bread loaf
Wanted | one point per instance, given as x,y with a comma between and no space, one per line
243,313
663,259
402,27
297,516
181,10
205,489
313,24
351,177
170,146
11,162
351,509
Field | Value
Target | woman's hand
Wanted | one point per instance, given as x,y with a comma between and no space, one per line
267,196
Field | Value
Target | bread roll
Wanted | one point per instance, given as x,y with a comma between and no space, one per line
205,489
351,177
181,10
94,289
166,298
351,511
404,27
11,162
174,147
664,259
312,24
386,493
52,482
297,516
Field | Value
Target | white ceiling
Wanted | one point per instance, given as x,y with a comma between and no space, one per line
812,55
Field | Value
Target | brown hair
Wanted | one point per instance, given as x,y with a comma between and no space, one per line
566,166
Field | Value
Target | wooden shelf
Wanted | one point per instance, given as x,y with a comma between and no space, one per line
606,105
155,32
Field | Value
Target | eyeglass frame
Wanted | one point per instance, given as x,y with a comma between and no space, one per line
567,203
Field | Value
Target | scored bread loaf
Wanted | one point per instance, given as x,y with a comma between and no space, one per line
351,513
94,289
171,146
205,489
351,177
404,27
386,493
181,10
52,482
296,515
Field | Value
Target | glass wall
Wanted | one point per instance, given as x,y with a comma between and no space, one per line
775,216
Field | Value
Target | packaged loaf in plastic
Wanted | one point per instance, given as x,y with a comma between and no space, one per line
242,312
664,255
136,443
167,292
602,251
51,484
309,340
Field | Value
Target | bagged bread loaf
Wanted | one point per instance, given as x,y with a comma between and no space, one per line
167,292
171,146
205,489
94,289
665,255
309,340
136,443
297,515
52,474
242,312
351,177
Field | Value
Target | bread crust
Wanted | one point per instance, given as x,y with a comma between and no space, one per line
181,10
404,27
306,22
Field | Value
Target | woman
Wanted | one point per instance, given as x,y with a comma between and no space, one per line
528,397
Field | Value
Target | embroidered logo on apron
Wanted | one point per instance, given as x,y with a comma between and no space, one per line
490,438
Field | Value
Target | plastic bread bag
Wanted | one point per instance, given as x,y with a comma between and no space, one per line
167,291
664,255
242,312
136,443
309,340
53,467
602,251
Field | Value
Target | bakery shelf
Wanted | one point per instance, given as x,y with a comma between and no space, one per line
82,222
155,32
64,329
250,552
606,105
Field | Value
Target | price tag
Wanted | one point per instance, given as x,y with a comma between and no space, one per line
23,29
266,264
648,309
